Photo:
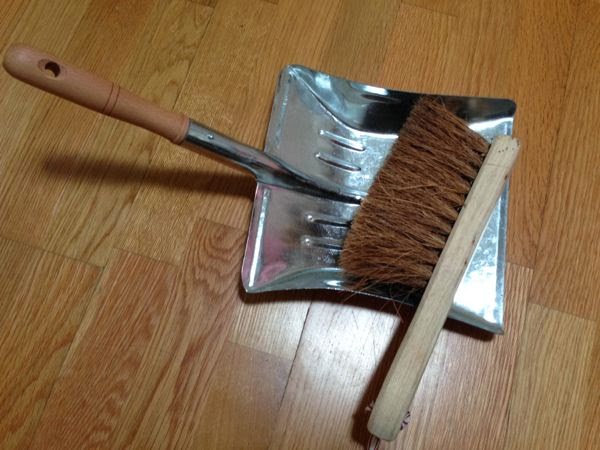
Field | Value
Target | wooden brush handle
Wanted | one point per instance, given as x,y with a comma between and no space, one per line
46,72
411,359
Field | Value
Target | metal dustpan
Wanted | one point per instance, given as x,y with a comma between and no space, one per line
340,131
326,141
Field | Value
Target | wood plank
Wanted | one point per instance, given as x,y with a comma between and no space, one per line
243,400
44,297
113,163
149,377
440,53
479,57
177,375
32,196
420,51
271,323
359,38
538,68
215,93
12,10
450,7
328,389
99,373
548,400
43,24
568,260
85,190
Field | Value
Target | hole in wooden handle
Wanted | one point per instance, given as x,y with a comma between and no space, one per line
51,68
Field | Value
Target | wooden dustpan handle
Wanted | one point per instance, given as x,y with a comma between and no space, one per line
52,75
417,345
48,73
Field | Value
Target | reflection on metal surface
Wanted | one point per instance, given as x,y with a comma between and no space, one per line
295,238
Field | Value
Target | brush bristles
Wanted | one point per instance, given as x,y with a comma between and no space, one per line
403,223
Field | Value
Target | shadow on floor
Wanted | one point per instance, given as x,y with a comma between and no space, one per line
117,173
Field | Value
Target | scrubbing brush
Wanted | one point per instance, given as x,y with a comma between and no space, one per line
419,226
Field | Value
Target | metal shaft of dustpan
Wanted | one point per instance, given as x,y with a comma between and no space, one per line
48,73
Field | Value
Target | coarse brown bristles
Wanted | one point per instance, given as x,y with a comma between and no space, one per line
403,223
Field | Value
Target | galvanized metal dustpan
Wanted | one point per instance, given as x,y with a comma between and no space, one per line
340,131
326,141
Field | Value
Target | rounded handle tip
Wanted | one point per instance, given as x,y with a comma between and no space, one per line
14,58
27,64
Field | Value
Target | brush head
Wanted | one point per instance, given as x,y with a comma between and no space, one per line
403,223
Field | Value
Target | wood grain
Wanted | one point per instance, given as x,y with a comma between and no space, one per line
181,363
157,71
450,7
13,10
549,397
271,323
44,297
360,35
244,396
42,24
60,201
214,90
539,67
419,52
485,38
211,3
568,261
341,347
100,371
171,364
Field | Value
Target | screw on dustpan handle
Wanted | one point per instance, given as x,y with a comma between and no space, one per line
52,75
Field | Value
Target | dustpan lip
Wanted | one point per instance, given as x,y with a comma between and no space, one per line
506,105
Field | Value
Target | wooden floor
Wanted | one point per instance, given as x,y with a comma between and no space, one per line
123,323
